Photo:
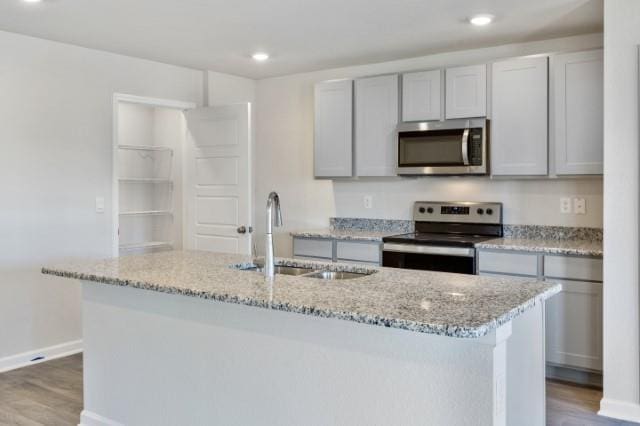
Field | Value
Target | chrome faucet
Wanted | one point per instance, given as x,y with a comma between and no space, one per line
273,202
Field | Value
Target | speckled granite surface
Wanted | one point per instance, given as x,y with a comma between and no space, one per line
548,246
541,232
427,302
344,234
393,226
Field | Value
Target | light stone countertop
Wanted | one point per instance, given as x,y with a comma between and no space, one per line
345,234
421,301
547,246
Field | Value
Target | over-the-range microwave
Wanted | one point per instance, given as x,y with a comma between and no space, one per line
451,147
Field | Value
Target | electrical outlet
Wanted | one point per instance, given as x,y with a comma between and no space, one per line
579,206
99,204
565,205
368,201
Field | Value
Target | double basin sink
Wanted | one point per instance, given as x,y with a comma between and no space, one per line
304,271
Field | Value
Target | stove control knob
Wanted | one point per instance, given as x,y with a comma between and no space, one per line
489,211
430,210
480,211
421,209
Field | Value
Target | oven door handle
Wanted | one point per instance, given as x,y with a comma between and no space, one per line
425,249
465,146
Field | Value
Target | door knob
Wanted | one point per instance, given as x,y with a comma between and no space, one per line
242,229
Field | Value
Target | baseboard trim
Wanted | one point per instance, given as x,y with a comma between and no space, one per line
45,354
620,410
88,418
574,375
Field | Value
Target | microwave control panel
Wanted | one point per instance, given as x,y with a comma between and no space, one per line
475,147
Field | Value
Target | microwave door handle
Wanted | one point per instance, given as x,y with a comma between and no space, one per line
465,147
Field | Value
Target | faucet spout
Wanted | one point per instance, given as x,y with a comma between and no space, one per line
273,209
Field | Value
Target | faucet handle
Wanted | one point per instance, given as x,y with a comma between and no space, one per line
254,250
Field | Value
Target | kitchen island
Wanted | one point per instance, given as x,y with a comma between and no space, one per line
187,337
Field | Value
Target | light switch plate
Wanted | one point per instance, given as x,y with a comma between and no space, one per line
565,205
579,206
368,201
99,204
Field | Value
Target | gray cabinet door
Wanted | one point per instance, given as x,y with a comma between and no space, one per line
577,112
421,95
466,91
574,325
519,117
333,131
375,125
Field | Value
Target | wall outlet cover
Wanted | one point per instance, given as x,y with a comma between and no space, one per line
579,206
368,201
565,205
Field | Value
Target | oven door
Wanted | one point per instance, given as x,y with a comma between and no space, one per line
461,260
448,147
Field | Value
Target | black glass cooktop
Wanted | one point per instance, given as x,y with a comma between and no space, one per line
428,238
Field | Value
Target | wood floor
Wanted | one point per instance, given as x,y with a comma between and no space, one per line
51,394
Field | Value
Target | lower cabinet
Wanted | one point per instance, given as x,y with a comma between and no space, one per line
573,317
332,250
311,248
574,325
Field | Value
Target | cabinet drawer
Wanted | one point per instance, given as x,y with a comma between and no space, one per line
508,263
361,252
308,247
577,268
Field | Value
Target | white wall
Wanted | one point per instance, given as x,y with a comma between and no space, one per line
285,157
226,89
621,154
56,135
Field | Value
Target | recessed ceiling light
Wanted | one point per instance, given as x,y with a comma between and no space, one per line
481,20
260,56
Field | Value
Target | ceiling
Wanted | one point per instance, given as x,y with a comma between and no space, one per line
300,35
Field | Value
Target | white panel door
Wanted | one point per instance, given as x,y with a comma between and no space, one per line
217,184
377,113
466,91
578,112
574,325
421,95
333,129
519,100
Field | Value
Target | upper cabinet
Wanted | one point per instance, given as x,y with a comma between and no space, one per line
376,118
577,112
519,117
333,129
546,115
466,91
422,96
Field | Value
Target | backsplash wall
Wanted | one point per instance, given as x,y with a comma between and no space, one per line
525,202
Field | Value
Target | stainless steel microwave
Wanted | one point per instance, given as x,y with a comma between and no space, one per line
451,147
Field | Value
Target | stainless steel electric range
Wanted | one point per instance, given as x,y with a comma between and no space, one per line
445,236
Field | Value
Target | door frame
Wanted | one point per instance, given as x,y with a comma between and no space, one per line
115,186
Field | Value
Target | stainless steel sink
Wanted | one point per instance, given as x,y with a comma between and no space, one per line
284,270
336,275
306,272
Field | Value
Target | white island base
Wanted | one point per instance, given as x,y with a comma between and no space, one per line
153,358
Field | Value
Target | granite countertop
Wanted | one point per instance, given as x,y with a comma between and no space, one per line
549,246
345,234
421,301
